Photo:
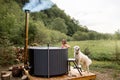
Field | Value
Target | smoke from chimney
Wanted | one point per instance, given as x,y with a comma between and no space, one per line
38,5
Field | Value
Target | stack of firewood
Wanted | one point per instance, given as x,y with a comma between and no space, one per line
19,54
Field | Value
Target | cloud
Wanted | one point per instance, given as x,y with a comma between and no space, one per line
100,15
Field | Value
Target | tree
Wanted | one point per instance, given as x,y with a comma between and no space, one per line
59,25
117,34
11,19
92,35
80,36
37,32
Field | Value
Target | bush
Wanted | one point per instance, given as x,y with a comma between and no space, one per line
7,53
39,34
102,57
7,56
117,54
86,51
56,36
80,36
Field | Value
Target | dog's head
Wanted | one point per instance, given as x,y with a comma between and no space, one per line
76,49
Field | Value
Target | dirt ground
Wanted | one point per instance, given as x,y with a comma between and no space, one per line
106,74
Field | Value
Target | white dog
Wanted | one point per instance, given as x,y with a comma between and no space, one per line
82,58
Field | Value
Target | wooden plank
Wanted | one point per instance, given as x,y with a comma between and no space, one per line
90,77
74,75
85,75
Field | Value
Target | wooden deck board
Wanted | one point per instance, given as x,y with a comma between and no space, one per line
73,75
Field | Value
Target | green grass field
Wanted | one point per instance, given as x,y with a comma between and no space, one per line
103,49
102,52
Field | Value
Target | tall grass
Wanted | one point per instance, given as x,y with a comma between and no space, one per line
99,65
103,50
117,53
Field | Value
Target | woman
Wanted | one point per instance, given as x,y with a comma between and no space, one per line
64,44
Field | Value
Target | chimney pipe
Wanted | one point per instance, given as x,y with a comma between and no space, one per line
26,37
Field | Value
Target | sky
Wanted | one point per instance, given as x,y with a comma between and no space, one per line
99,15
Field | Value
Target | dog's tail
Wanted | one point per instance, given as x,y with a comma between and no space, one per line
89,62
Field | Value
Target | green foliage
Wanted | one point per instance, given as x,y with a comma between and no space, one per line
38,33
103,65
117,35
91,35
4,41
10,19
86,51
117,53
72,27
55,12
80,36
59,25
57,36
7,54
102,57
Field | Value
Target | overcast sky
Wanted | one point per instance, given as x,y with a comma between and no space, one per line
99,15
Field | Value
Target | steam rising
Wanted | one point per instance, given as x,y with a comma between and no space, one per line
38,5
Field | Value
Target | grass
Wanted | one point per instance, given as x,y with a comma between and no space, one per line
106,69
98,48
102,52
99,65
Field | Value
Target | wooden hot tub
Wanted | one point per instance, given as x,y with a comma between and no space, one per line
48,61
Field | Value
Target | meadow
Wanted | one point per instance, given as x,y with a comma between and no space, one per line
105,55
96,47
98,50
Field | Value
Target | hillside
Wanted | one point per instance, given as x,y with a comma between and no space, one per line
50,23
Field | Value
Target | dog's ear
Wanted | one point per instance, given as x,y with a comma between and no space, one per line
79,48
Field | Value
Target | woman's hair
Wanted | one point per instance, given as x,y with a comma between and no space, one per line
64,41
